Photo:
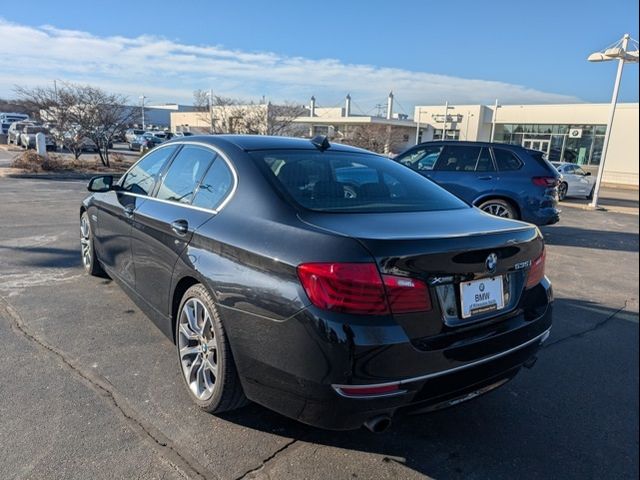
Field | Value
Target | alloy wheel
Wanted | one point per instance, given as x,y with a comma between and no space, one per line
497,209
198,349
85,241
562,191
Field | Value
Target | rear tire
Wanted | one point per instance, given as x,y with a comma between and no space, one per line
562,191
590,196
499,208
204,354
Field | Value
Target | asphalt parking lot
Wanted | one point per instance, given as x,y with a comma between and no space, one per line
91,389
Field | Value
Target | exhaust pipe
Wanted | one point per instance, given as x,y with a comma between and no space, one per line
378,424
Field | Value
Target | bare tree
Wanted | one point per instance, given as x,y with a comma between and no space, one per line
281,119
376,137
57,108
80,112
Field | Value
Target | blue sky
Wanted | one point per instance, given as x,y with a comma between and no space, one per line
428,52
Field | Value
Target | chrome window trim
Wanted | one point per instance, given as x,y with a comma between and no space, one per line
338,388
215,149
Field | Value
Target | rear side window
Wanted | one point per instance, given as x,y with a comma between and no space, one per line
143,175
352,182
421,158
458,159
465,158
215,186
506,160
183,176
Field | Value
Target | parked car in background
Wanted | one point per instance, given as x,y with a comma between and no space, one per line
145,142
181,134
6,119
575,181
15,130
504,180
28,137
131,134
344,308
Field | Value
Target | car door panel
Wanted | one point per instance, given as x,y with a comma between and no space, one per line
465,171
157,244
113,232
164,225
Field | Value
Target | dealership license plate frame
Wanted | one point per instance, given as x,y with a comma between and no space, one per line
468,290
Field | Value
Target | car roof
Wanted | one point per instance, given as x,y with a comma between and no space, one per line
266,142
471,143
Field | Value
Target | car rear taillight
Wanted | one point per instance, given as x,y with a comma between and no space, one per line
406,295
536,272
358,288
545,181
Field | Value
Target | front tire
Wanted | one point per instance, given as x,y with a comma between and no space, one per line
89,258
499,208
204,354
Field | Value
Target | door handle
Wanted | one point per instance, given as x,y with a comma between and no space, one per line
180,227
489,177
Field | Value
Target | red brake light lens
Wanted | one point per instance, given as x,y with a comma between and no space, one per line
545,181
536,272
344,287
407,295
358,288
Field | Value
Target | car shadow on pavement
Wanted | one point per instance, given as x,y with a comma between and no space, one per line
586,238
45,257
551,421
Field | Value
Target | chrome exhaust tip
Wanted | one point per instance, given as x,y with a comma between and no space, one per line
378,424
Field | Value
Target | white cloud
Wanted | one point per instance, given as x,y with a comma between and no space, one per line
165,70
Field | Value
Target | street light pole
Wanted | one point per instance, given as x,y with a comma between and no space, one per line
493,119
418,125
444,125
142,97
612,112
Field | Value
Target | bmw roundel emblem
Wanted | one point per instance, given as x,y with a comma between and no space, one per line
491,263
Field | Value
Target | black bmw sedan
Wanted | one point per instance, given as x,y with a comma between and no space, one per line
325,282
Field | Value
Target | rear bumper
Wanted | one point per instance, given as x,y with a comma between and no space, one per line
300,364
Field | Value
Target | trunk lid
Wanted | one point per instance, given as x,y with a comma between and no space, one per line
445,249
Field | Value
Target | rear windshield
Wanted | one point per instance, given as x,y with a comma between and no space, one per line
352,182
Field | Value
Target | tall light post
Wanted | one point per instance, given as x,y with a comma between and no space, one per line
210,97
618,51
418,125
142,97
496,106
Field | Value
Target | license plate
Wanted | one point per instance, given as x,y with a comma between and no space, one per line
481,296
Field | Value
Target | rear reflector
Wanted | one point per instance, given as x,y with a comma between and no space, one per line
545,181
367,390
358,288
536,272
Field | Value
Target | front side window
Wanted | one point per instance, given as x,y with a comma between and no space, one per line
458,158
183,176
352,182
506,160
421,158
215,185
143,175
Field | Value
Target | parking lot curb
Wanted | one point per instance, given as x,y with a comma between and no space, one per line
625,210
55,176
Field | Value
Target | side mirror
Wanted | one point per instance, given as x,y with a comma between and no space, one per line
588,174
102,183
